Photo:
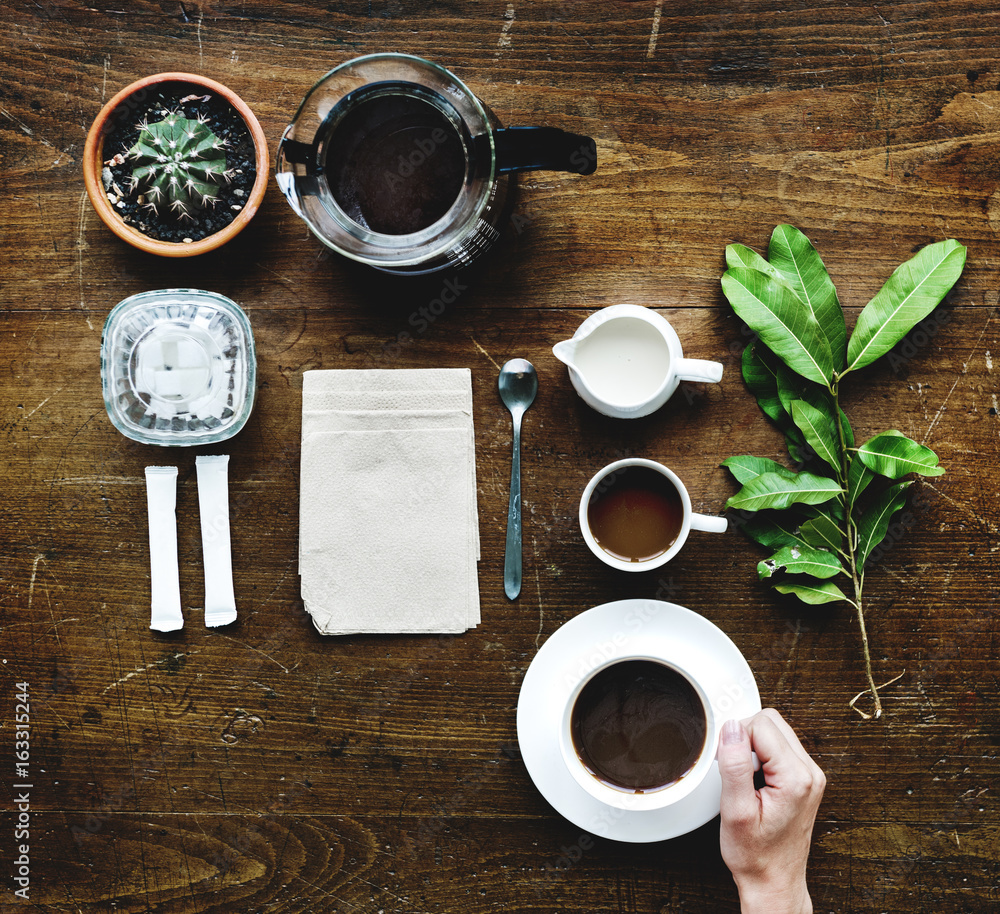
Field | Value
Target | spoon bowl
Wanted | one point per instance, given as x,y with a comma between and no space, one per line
518,388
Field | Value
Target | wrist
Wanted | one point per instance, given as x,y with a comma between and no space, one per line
770,897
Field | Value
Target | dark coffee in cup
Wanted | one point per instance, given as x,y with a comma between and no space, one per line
635,514
395,162
639,726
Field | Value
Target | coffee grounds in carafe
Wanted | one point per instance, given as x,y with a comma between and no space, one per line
395,163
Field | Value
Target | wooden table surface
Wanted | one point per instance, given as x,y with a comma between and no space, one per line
263,767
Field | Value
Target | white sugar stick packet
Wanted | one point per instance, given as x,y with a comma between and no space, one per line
217,556
161,504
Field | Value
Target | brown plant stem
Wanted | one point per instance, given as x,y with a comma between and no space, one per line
868,661
856,577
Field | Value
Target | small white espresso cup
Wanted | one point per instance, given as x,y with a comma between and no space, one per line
625,798
602,486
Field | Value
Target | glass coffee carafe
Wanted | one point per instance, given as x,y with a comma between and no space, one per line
392,161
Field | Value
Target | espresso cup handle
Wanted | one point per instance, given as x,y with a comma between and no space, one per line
699,370
544,148
708,524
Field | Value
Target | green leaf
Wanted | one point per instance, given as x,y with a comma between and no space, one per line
814,594
800,560
848,431
745,468
803,269
818,429
798,450
874,523
739,255
792,387
787,326
775,386
771,532
894,455
833,509
759,375
823,532
910,294
775,490
858,479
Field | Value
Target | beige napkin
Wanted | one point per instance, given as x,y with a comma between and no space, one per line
388,528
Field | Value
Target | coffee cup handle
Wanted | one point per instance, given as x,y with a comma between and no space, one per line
544,148
699,370
708,524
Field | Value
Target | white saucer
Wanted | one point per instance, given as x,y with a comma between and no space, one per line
651,628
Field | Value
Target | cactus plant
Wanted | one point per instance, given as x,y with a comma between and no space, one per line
178,164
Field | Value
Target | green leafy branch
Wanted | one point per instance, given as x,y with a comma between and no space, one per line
823,520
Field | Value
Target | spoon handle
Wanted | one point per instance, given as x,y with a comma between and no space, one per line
512,557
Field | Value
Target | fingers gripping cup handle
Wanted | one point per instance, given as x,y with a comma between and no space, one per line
754,760
708,524
699,370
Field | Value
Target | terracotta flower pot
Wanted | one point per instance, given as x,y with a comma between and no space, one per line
94,159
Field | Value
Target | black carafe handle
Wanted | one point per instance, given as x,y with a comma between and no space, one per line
544,148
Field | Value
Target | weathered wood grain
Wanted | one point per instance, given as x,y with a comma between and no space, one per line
262,767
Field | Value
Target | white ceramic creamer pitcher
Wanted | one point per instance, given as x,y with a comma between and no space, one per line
626,361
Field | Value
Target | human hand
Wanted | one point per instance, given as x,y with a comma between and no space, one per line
765,834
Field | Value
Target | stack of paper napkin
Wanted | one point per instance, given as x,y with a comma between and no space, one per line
388,524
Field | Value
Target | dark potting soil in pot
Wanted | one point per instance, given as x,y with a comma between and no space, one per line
152,106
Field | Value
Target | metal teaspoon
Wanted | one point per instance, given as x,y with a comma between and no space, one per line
518,386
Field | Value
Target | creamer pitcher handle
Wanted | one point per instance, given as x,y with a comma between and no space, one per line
699,370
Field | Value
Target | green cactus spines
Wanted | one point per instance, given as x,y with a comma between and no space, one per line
179,164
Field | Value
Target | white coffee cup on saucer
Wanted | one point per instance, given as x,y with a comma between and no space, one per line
623,630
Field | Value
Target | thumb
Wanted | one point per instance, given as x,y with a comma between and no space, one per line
739,798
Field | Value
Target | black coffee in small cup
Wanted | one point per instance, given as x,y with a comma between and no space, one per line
639,726
635,514
395,162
